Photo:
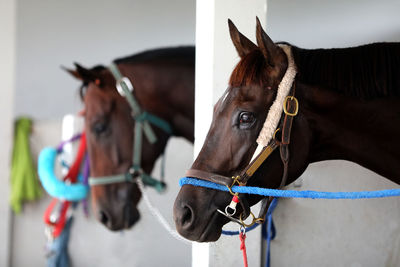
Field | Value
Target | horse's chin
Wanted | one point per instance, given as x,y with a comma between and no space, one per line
132,220
210,232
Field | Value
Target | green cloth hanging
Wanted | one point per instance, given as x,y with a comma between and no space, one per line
24,181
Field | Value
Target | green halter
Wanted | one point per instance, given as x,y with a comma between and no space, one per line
142,120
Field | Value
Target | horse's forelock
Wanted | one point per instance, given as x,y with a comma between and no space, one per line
251,70
96,69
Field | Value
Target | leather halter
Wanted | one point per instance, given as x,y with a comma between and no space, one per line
290,110
142,120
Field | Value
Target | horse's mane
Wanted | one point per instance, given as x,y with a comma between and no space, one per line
366,72
182,52
175,53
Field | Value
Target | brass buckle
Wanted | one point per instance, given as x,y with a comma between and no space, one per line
276,131
292,98
235,181
254,220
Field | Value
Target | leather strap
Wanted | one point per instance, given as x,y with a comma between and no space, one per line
209,176
258,161
284,148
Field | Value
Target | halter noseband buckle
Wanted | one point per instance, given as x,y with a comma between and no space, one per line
135,173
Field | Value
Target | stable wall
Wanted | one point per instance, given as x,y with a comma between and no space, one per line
336,232
51,34
54,33
7,78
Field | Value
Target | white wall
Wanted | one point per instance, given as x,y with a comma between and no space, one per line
54,33
333,232
324,23
7,74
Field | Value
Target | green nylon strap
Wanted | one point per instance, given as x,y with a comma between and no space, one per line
132,102
137,144
157,121
150,181
127,177
162,168
119,178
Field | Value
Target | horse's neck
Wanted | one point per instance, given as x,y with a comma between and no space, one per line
364,132
171,93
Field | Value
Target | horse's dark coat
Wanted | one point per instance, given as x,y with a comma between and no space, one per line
349,109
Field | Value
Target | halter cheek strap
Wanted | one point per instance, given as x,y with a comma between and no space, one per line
142,120
128,177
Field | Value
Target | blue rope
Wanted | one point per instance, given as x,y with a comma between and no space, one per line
292,193
248,229
269,231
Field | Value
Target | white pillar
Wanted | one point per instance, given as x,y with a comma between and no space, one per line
215,60
7,74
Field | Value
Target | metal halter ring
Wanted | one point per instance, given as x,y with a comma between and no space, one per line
229,217
135,173
230,214
128,84
292,98
254,220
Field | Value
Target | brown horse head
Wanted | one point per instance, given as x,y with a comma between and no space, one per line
109,125
239,116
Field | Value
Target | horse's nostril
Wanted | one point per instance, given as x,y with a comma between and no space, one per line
184,216
103,218
187,217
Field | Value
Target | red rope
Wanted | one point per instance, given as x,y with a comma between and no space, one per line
242,237
71,176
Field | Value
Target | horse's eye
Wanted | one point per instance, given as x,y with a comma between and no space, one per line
100,128
246,119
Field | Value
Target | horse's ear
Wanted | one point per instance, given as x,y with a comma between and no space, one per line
86,74
82,73
266,45
242,44
74,73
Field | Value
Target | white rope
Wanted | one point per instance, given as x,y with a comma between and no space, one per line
157,214
276,109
